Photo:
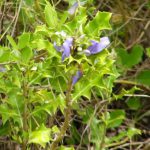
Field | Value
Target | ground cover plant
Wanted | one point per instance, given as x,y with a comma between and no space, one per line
70,76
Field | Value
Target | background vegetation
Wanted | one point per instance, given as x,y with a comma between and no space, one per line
110,108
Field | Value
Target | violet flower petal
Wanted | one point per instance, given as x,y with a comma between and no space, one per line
66,48
2,69
76,77
73,8
97,47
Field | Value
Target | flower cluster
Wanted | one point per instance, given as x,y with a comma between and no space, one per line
94,48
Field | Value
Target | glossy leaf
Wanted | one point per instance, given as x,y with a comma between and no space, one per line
4,54
100,22
23,40
12,42
8,113
51,16
148,51
40,136
26,55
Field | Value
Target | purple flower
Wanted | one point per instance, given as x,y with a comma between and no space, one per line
2,69
97,47
73,8
65,48
76,77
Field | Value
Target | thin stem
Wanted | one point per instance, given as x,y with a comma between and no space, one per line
102,144
118,143
145,88
25,113
67,116
16,18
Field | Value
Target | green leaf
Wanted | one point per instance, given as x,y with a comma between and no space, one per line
4,54
12,42
4,129
132,58
144,77
61,102
97,131
148,51
133,131
7,113
92,79
55,129
29,2
83,89
42,44
15,55
26,54
17,104
118,137
51,16
40,136
116,118
23,40
77,23
100,22
49,108
134,103
43,30
124,92
65,148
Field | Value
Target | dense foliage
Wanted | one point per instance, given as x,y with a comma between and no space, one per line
70,78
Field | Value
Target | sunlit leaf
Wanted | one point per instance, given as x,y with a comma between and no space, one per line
51,16
12,42
26,54
40,136
100,22
23,40
133,131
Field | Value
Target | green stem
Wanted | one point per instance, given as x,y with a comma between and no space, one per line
67,116
102,144
25,112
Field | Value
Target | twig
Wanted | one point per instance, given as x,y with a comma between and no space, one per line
118,143
137,95
8,63
128,19
145,88
67,116
141,35
127,144
16,18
